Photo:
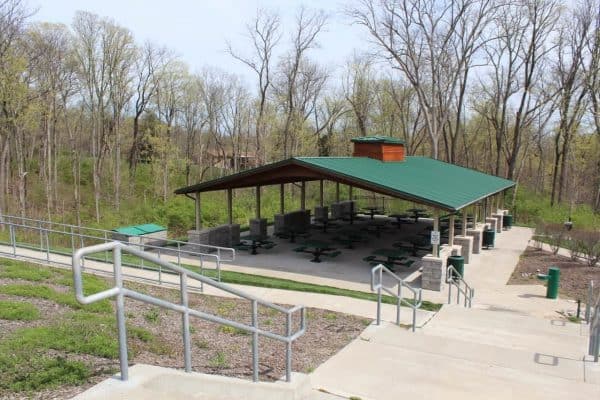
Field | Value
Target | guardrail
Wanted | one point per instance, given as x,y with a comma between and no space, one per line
21,236
224,253
592,316
377,285
183,308
454,278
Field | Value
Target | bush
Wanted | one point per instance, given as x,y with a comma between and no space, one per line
555,233
588,243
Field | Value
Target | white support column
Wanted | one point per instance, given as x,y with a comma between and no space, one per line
197,212
303,196
436,227
464,221
451,230
230,205
258,202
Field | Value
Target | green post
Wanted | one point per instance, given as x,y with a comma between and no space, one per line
553,278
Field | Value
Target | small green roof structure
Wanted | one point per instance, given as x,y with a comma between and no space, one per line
139,230
378,139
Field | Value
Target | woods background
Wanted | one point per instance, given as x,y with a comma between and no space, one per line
97,128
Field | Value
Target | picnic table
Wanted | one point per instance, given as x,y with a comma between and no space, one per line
292,233
414,246
375,227
254,242
417,213
323,223
392,257
372,211
318,248
349,237
400,218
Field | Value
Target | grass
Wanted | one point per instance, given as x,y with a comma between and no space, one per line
47,293
219,360
232,330
18,311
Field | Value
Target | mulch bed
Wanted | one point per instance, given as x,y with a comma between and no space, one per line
215,349
575,276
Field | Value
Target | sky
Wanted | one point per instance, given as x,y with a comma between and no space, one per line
198,30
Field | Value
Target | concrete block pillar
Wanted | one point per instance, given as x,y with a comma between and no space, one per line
477,235
499,220
491,222
234,232
258,227
337,210
466,244
321,212
279,223
433,276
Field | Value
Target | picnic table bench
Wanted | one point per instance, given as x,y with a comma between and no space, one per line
292,234
254,242
318,248
393,257
348,238
400,219
372,211
415,246
324,223
375,227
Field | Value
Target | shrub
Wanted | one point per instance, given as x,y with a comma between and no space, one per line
12,310
555,233
589,241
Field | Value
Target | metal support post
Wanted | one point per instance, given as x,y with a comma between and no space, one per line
282,198
303,195
255,341
258,202
230,205
121,327
321,192
185,319
197,212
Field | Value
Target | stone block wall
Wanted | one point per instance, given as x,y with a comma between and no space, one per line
477,235
322,212
433,275
499,220
223,235
491,223
258,227
341,209
466,244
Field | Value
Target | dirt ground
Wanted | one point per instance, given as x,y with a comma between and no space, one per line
215,349
575,276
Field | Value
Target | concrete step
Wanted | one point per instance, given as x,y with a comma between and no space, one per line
151,382
388,362
510,330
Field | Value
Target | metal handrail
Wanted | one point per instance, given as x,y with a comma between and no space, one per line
592,316
121,292
454,278
224,253
377,274
79,238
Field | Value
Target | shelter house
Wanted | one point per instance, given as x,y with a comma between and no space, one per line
379,164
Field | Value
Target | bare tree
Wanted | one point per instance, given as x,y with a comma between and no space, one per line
359,90
264,35
569,76
419,38
297,75
193,118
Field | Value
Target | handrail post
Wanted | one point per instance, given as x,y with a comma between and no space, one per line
106,252
13,239
255,341
414,316
47,245
399,300
185,318
379,285
288,349
121,327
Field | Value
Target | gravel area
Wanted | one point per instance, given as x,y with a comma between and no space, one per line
575,276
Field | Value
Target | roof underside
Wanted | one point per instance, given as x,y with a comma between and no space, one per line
419,179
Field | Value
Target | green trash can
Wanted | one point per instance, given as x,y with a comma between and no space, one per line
507,221
553,278
489,235
458,262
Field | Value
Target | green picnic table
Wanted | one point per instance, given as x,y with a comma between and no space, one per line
317,248
254,242
349,237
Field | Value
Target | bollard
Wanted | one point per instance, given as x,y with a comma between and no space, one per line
553,278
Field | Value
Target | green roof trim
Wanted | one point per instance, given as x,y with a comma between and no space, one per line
378,139
420,178
138,230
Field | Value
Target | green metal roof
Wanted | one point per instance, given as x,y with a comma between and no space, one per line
422,178
378,139
419,179
138,230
